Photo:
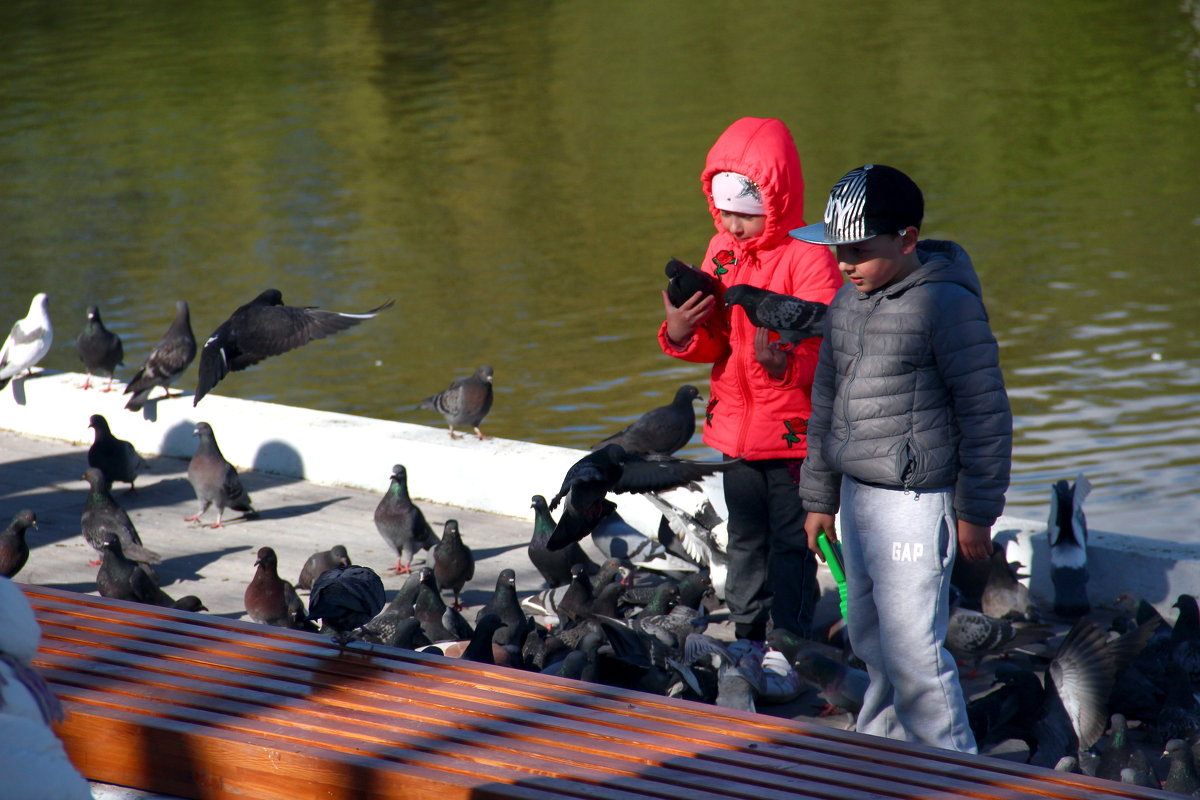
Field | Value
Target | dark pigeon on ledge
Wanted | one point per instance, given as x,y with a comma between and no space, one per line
115,457
99,349
466,402
172,355
792,318
660,431
215,480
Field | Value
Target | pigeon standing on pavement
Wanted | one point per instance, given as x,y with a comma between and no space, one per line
840,685
116,458
554,565
401,524
317,563
792,318
266,327
122,578
28,342
14,550
1067,534
504,604
99,349
466,402
101,515
453,561
684,280
172,355
660,431
345,599
271,600
214,479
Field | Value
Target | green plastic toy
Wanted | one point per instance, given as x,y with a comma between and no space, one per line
832,552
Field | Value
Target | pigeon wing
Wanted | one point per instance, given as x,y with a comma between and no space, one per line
660,473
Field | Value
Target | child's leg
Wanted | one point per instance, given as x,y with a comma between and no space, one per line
791,568
749,528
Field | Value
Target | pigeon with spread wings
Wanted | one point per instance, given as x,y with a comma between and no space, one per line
266,327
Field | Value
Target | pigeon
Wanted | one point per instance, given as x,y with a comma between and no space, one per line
386,627
401,524
576,602
1003,595
481,649
28,342
466,402
841,686
121,578
214,479
430,608
700,534
317,563
616,538
14,550
792,318
1182,777
270,600
115,457
971,636
684,280
554,565
344,599
1179,715
172,355
1067,533
611,469
99,349
403,633
1009,711
1120,753
266,327
504,604
102,515
660,431
453,561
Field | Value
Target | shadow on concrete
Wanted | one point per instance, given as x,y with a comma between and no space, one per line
188,567
298,510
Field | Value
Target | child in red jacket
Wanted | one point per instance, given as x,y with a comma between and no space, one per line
759,402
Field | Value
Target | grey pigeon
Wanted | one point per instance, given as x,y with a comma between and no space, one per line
792,318
385,628
1003,595
401,524
660,431
403,633
430,608
98,348
838,684
14,550
1067,535
122,578
28,342
576,601
317,563
270,600
102,515
116,458
1121,754
172,354
684,280
266,327
215,480
466,402
1182,777
554,565
453,561
737,686
504,604
480,650
344,599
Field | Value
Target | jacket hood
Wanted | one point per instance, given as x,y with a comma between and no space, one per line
941,261
764,151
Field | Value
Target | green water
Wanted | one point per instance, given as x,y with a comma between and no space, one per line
515,175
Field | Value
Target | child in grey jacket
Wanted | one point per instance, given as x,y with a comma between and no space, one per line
911,437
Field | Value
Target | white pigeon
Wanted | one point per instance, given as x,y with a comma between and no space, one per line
28,342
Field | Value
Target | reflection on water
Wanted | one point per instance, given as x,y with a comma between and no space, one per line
515,175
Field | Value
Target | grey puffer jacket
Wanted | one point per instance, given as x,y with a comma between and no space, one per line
908,391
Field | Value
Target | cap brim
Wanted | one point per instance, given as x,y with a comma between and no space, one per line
816,234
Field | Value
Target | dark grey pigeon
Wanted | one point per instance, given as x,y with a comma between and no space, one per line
792,318
453,561
403,633
99,349
401,524
317,563
101,516
1067,534
430,608
684,280
1182,777
554,565
14,550
505,604
611,469
214,479
345,599
172,355
384,627
266,327
115,457
660,431
840,685
122,578
1003,595
480,648
466,402
270,600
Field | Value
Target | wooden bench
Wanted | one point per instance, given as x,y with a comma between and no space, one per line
205,707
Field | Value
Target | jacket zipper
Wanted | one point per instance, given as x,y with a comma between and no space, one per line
862,329
744,385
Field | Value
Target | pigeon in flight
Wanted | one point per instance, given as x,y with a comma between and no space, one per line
684,280
266,327
167,361
28,342
792,318
99,349
345,599
660,431
116,458
466,402
214,479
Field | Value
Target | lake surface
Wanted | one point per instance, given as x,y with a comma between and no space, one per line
515,175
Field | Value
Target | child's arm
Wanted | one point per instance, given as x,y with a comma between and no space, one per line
682,321
974,541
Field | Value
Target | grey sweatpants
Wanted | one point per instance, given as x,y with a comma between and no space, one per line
899,549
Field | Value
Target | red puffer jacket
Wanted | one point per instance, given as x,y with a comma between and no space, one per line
749,413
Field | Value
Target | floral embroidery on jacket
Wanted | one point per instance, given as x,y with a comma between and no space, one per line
708,412
796,428
724,259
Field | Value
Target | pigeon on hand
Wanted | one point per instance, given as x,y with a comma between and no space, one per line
554,565
611,469
660,431
270,600
215,480
101,515
1067,534
344,599
28,342
792,318
466,402
401,524
684,280
317,563
172,355
453,561
266,327
14,550
99,349
116,458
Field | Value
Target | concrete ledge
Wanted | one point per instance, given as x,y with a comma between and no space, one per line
497,476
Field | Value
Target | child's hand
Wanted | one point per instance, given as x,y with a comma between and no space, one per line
770,354
683,321
814,523
974,541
